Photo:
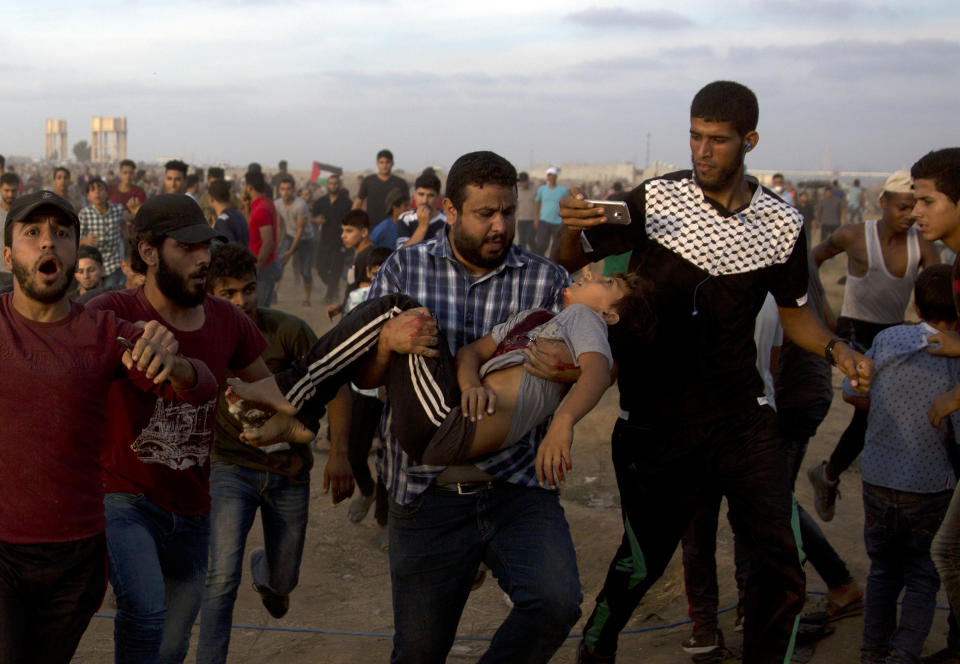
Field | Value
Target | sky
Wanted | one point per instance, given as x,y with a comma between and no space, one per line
842,84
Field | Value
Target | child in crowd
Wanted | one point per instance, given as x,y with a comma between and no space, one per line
445,415
908,477
366,410
355,235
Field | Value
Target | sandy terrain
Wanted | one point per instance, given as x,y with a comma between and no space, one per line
341,611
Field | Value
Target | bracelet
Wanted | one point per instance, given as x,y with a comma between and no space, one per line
828,350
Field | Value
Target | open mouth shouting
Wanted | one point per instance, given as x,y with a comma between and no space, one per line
49,268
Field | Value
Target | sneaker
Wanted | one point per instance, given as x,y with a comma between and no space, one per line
276,605
584,656
703,645
359,507
825,492
945,656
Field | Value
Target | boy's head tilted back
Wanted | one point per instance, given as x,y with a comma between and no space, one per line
624,300
933,295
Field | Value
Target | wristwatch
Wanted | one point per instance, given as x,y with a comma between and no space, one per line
828,350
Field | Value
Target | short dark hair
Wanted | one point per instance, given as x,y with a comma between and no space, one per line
856,182
777,175
230,261
219,191
385,153
175,165
479,169
638,316
216,173
282,165
727,101
287,179
61,168
427,180
378,255
10,178
943,167
356,219
193,180
256,180
129,162
94,181
933,293
523,177
86,251
254,167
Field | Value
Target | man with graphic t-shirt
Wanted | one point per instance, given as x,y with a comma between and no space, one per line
692,417
52,547
156,458
374,188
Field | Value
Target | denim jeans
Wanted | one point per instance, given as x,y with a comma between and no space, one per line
898,529
302,256
797,426
267,278
945,552
438,541
236,493
158,561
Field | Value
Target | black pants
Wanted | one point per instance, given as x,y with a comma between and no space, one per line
852,440
424,390
664,474
48,593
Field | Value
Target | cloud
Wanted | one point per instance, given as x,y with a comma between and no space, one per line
619,17
827,9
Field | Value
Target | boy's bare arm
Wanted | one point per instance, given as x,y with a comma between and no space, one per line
476,398
553,456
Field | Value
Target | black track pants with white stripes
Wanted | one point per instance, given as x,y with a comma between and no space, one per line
423,392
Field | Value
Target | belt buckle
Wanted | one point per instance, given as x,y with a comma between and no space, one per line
468,488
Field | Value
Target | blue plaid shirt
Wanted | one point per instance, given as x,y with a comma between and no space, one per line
466,308
107,229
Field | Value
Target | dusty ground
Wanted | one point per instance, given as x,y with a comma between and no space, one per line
341,611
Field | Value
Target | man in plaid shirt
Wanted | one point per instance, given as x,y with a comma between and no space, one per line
444,522
100,224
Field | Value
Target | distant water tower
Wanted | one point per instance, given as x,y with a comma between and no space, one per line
56,139
108,139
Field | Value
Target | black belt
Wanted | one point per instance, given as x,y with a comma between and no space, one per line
466,488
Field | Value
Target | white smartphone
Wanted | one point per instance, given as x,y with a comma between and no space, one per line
616,211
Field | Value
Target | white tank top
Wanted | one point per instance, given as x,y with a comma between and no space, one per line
879,297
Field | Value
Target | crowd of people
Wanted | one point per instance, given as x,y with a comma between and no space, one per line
467,349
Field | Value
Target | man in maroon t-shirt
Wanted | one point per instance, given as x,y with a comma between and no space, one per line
263,236
52,546
126,192
156,459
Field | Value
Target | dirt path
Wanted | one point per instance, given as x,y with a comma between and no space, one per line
345,583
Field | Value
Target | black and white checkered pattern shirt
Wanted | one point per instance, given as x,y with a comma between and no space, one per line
107,229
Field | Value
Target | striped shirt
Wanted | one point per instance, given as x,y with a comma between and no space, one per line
107,229
466,308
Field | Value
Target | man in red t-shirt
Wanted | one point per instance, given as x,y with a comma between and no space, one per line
52,546
156,458
263,236
126,192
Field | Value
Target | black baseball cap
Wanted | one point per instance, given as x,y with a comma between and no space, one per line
24,206
177,216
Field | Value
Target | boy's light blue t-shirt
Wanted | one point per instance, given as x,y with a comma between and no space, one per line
902,450
550,202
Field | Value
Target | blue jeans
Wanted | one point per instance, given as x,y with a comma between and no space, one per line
267,278
438,541
158,561
898,529
302,257
236,493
